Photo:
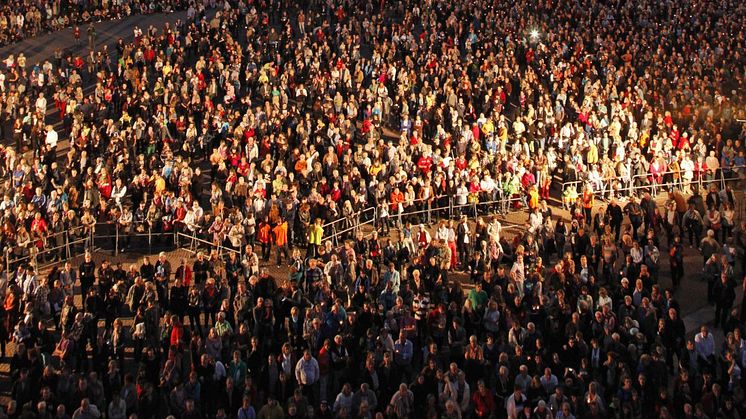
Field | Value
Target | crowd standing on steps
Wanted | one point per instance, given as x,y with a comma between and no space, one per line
252,125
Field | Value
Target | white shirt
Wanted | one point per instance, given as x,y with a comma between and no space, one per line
705,346
461,195
442,233
487,184
198,212
493,230
41,104
30,284
343,401
126,218
286,364
118,193
52,138
307,372
219,371
536,221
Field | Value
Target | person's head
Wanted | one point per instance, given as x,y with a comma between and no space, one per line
517,390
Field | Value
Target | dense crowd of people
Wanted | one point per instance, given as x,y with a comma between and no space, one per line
253,125
22,19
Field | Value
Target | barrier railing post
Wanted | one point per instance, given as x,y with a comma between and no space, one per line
116,239
67,245
722,179
150,239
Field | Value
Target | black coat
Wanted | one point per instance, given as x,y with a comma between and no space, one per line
87,273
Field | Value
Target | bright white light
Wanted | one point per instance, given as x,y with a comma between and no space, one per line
534,34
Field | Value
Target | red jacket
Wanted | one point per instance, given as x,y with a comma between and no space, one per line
483,404
325,361
264,233
180,213
424,164
177,333
395,200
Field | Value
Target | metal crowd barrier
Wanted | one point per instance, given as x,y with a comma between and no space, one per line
112,234
448,210
195,242
82,237
647,182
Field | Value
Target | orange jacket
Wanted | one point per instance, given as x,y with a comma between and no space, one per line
396,199
263,233
587,199
281,234
533,201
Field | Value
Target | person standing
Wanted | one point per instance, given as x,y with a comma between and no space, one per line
616,217
463,241
725,295
201,269
675,337
704,346
280,234
264,236
403,402
588,199
514,403
709,246
246,411
693,223
634,212
403,354
87,274
307,374
315,234
91,36
483,401
676,254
